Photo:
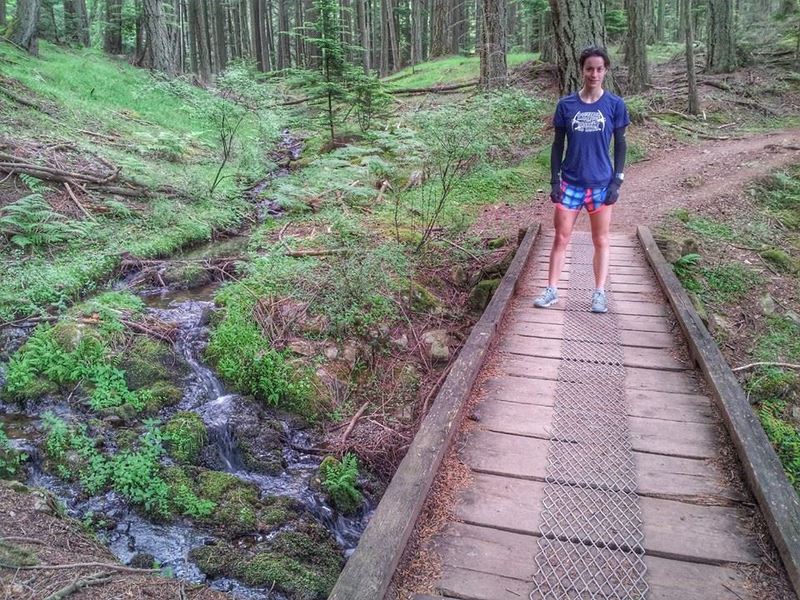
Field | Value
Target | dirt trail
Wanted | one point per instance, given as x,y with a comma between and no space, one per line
683,176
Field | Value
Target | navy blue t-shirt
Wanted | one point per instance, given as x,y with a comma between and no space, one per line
589,131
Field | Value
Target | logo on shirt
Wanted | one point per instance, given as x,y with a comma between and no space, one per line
589,121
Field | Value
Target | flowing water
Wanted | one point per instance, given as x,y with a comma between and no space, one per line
206,395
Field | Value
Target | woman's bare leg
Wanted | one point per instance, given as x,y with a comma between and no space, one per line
601,223
563,221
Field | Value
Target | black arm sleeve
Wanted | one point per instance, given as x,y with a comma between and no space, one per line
620,150
557,155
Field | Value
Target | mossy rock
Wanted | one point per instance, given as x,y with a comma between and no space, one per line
69,334
498,242
422,299
217,560
237,503
161,394
145,362
185,434
188,276
482,293
780,260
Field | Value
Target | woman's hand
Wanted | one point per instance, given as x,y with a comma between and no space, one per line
555,192
612,193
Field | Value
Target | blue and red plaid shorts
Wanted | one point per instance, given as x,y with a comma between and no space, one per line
574,197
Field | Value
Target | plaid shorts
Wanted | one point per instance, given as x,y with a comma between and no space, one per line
574,197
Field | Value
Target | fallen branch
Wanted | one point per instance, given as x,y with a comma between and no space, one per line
766,364
435,89
353,422
79,584
454,245
21,100
121,568
78,202
302,253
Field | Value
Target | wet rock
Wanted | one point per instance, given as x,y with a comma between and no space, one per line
437,344
11,340
303,562
482,293
258,436
142,560
186,276
766,305
113,420
146,362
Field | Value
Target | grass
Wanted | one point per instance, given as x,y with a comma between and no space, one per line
446,71
157,131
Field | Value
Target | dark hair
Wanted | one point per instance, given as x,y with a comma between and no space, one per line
595,51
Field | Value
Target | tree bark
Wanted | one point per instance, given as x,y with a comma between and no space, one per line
636,47
688,27
394,44
494,72
416,32
76,22
788,7
198,37
721,45
284,52
362,8
458,29
577,24
661,18
158,49
23,28
439,28
220,9
547,39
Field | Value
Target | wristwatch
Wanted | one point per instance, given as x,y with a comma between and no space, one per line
619,177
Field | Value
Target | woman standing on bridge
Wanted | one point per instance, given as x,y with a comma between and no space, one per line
587,120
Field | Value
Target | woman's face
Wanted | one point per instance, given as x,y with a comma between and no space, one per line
594,71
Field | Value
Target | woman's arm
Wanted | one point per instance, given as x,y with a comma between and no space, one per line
556,156
620,150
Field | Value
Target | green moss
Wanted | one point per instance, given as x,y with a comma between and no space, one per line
160,394
422,299
185,434
12,556
145,362
780,260
218,560
482,293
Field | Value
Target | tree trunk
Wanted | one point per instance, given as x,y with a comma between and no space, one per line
661,17
547,39
494,74
199,40
577,24
219,33
636,47
416,32
721,45
384,38
363,34
284,52
439,28
22,30
158,49
458,27
76,22
694,100
299,48
112,38
788,7
2,13
394,44
257,33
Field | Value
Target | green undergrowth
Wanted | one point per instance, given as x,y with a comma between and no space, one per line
740,269
446,71
164,135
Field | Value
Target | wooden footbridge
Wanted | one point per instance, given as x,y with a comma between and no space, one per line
605,454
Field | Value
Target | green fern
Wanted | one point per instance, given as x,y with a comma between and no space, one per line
31,222
34,184
339,480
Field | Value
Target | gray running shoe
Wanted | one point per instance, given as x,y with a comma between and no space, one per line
548,297
599,302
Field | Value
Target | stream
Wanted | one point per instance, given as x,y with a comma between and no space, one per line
206,395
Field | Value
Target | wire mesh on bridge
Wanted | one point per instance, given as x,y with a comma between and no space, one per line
592,545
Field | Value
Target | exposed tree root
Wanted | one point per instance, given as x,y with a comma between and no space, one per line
79,584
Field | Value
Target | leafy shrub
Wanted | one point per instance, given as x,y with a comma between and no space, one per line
30,222
784,436
339,480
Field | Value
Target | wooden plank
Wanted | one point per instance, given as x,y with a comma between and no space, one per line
369,570
684,408
658,475
778,500
638,339
692,440
509,558
649,358
636,379
522,314
619,307
677,530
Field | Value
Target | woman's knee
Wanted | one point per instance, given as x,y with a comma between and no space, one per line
600,241
561,239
